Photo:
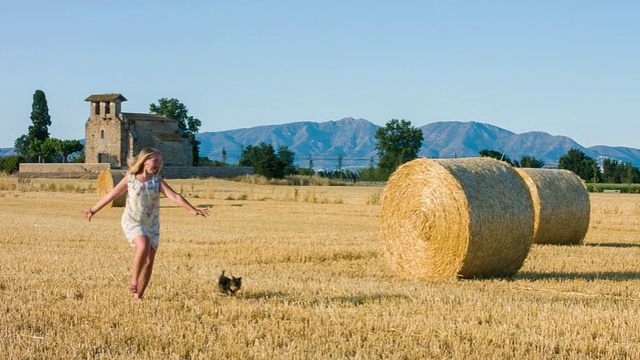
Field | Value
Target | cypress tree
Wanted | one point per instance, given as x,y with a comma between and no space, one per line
39,117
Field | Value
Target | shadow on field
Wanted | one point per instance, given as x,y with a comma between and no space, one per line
262,295
208,206
587,276
362,299
614,245
347,299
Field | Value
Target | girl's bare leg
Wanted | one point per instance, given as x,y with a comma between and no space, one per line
143,248
145,273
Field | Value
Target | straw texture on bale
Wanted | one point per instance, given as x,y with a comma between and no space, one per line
456,218
561,206
107,180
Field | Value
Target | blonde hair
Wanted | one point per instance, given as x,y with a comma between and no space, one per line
136,163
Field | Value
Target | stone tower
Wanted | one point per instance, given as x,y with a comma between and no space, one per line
112,136
106,132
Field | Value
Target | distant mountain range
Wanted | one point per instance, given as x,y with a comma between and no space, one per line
354,139
7,152
324,142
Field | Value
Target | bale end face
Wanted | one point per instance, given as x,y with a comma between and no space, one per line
107,180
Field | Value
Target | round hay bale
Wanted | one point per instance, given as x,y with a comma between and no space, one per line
107,180
456,218
561,206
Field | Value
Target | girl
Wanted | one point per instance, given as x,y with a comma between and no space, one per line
140,220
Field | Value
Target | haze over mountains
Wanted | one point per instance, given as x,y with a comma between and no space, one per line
354,139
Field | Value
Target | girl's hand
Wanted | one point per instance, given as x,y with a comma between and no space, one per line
202,212
87,213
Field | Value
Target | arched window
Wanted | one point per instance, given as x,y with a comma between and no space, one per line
101,134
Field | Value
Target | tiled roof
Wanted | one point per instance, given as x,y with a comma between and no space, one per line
105,97
146,117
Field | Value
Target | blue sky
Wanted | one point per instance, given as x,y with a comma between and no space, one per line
563,67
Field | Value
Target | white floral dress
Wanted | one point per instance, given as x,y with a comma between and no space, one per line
142,213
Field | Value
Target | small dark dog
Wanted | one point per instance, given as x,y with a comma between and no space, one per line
230,285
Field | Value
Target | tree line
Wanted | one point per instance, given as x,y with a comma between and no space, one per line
37,145
396,143
399,142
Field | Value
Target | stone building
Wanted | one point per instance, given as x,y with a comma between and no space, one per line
112,136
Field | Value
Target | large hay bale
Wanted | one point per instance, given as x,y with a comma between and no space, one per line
107,180
451,218
561,206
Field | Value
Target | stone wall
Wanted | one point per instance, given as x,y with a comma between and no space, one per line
185,172
164,136
91,171
58,170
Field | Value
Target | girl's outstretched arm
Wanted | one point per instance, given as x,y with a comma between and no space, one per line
180,200
117,191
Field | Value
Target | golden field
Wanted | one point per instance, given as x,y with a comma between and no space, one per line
316,284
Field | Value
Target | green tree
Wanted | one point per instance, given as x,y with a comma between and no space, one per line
39,130
628,173
10,164
79,158
530,162
617,172
205,161
611,171
269,165
397,143
264,160
582,165
174,109
40,117
307,171
195,148
288,158
42,150
339,166
370,173
251,154
22,146
224,155
67,147
496,155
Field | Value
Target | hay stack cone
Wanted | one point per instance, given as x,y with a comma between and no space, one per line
560,204
107,180
456,218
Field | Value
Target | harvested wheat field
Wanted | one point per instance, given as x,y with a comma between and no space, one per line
316,284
